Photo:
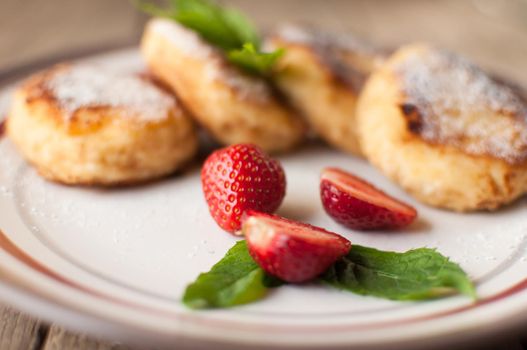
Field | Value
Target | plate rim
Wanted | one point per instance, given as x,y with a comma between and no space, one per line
9,288
110,328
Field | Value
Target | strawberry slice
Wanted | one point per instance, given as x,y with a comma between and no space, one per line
358,205
292,251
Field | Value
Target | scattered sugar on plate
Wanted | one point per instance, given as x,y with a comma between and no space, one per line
83,86
460,105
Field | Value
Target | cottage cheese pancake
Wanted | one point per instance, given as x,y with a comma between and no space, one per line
323,73
233,106
444,130
81,124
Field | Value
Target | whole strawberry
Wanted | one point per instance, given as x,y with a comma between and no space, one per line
240,178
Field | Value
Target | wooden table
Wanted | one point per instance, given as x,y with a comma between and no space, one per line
19,331
493,33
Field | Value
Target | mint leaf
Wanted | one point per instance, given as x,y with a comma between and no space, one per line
245,31
225,28
415,275
253,61
235,280
272,281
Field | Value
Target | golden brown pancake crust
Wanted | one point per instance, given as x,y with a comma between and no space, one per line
322,74
235,107
448,101
346,59
83,125
443,130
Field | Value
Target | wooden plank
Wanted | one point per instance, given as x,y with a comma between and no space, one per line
19,331
58,339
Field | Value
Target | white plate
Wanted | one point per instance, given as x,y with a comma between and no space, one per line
115,262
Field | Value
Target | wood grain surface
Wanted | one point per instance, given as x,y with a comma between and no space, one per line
19,331
58,338
492,32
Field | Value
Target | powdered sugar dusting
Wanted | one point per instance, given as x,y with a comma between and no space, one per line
460,105
246,86
186,40
349,59
84,86
216,67
309,35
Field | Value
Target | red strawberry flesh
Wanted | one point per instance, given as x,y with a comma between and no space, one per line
293,251
357,204
240,178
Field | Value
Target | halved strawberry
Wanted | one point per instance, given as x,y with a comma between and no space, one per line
357,204
239,178
293,251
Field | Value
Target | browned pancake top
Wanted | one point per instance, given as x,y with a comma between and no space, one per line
216,67
447,100
77,87
348,58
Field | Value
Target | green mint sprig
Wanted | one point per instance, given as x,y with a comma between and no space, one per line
235,280
414,275
253,61
225,28
417,274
